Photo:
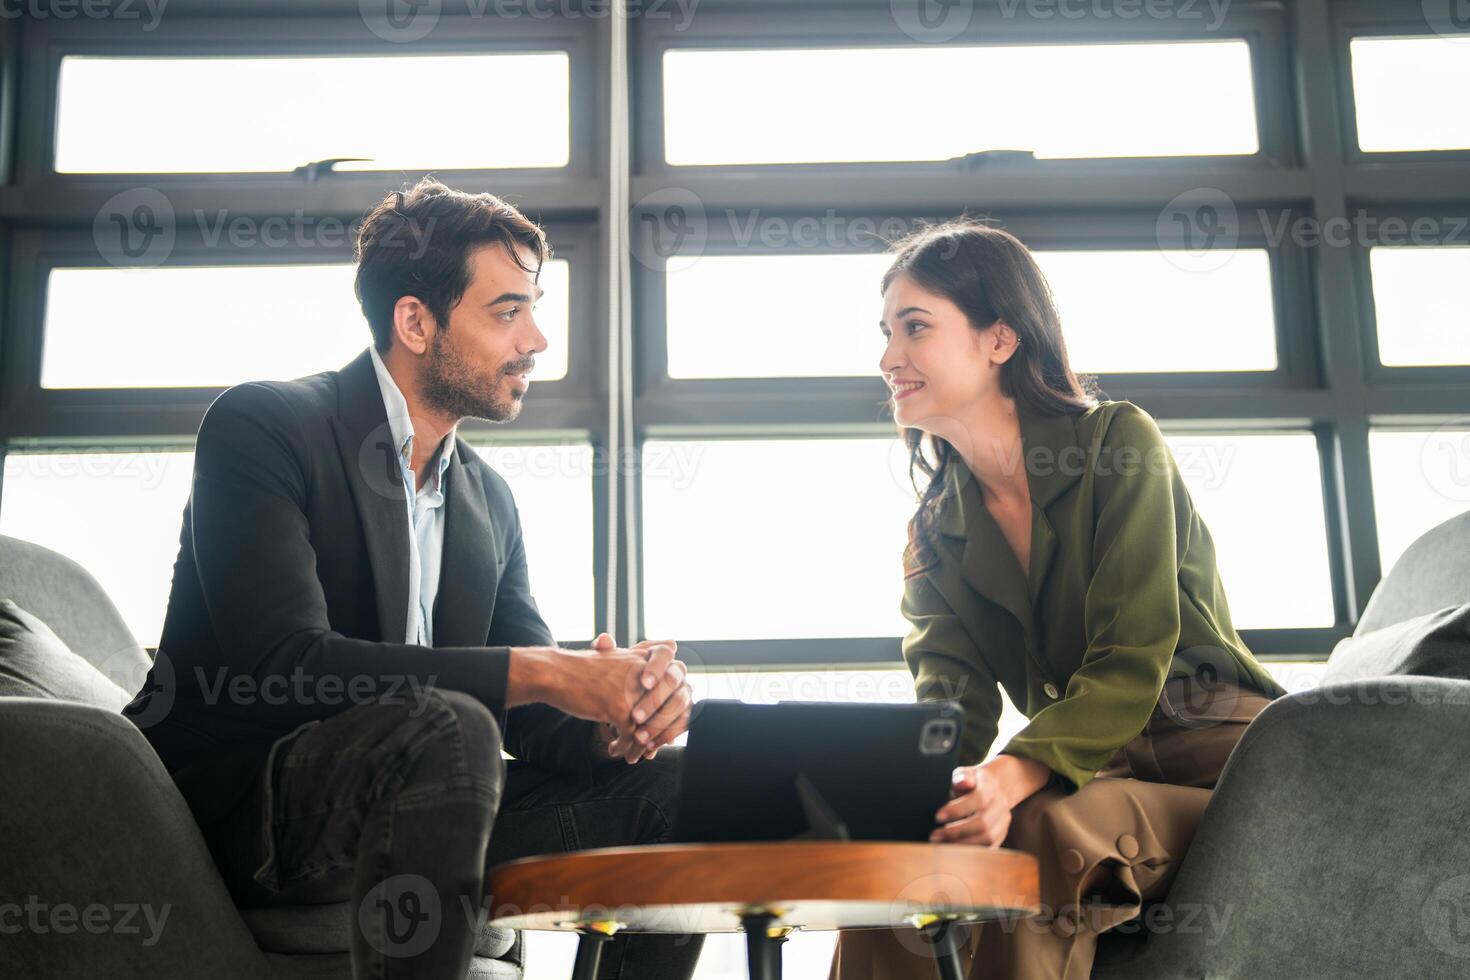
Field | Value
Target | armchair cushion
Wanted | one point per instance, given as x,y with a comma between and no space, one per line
35,663
1435,644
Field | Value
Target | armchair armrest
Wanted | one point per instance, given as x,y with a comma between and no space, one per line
1334,845
103,871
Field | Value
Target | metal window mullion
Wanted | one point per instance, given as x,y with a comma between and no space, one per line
619,596
1350,501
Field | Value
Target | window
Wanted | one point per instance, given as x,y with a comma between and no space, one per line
1421,478
1143,311
222,114
214,326
552,485
1418,301
117,514
1397,85
775,316
837,104
749,371
736,534
1261,498
786,316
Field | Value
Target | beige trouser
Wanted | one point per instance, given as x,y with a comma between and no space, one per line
1103,850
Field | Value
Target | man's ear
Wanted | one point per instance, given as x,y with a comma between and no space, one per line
413,324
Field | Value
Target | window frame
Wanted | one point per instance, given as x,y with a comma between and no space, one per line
1394,19
617,393
1455,232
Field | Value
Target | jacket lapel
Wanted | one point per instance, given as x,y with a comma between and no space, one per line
988,564
469,572
370,459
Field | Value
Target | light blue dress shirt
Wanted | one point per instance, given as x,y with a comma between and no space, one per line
424,509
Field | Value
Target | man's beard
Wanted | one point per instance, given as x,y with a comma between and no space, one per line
452,385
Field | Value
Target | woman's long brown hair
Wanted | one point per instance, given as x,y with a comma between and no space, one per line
990,276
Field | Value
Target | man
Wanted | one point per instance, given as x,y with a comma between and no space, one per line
343,657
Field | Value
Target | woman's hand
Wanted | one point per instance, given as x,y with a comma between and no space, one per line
981,798
978,811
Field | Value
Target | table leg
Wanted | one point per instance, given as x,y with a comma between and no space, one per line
761,948
941,936
589,954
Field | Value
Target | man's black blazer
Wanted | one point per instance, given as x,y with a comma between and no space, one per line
290,592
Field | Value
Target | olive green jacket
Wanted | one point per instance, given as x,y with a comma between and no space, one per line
1123,592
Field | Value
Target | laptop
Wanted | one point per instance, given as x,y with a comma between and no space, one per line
822,770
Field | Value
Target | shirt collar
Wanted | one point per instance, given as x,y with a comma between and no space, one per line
401,426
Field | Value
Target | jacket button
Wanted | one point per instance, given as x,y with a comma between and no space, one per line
1128,846
1051,690
1072,861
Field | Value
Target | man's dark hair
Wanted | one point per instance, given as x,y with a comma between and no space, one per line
418,243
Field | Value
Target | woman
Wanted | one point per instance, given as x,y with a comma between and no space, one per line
1056,553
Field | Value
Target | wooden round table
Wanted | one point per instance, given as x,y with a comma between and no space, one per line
765,889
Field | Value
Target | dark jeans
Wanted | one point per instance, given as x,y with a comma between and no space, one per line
400,809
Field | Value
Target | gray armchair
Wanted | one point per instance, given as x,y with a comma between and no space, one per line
102,867
1336,843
